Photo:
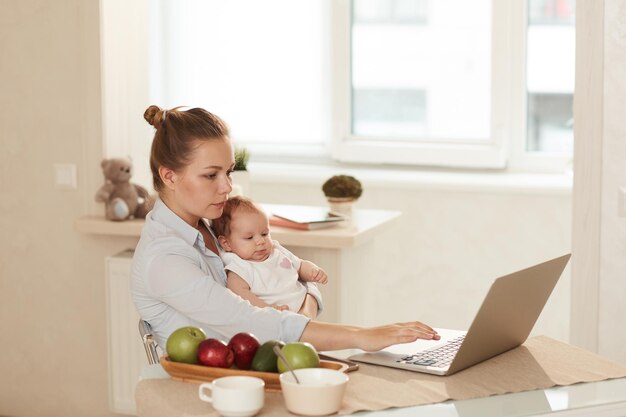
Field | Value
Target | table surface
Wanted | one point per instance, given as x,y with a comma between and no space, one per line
600,399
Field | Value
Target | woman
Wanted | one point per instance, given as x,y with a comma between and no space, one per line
178,279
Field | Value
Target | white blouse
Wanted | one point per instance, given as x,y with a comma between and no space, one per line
176,281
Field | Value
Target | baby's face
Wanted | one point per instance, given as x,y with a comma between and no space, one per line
250,236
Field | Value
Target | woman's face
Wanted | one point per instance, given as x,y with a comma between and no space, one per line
202,187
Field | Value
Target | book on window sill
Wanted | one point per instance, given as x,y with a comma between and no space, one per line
302,217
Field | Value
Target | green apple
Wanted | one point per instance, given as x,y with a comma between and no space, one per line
182,344
298,355
265,359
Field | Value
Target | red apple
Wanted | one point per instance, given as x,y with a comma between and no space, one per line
244,345
214,352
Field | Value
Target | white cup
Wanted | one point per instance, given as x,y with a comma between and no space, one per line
234,396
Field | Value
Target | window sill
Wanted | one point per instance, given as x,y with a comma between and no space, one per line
399,178
364,225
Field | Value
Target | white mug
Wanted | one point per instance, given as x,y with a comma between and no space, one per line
234,396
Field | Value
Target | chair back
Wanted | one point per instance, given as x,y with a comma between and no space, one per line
145,331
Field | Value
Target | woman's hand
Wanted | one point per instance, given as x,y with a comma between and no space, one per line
376,338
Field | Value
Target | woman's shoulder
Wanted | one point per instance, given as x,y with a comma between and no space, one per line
162,223
160,243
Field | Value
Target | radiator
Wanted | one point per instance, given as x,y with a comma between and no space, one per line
126,355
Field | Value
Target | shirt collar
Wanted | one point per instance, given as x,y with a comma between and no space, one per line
163,214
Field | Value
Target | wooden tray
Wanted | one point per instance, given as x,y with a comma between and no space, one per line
198,373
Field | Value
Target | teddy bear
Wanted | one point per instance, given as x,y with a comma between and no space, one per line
123,199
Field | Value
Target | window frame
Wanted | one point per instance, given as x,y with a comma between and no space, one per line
350,148
520,158
506,152
505,149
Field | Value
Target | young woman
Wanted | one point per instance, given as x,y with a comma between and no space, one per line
178,279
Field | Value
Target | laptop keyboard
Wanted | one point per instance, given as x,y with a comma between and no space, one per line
439,357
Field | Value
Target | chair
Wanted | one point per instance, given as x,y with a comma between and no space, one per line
145,331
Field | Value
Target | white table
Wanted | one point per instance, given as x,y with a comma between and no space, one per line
597,399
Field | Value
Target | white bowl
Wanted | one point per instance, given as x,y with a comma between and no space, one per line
319,393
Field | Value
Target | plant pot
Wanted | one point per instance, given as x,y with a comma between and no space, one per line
341,205
241,183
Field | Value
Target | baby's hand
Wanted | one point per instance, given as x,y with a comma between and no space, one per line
319,275
280,307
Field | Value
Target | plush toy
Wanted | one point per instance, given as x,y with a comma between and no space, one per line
122,198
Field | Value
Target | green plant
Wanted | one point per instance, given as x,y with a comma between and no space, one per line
342,186
241,158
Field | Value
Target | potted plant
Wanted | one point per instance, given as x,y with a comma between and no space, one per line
241,158
241,175
342,191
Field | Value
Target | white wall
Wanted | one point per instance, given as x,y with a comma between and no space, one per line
440,257
599,233
612,289
52,303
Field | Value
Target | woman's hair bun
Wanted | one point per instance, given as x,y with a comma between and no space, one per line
153,115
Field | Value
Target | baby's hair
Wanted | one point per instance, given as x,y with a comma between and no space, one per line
176,132
221,225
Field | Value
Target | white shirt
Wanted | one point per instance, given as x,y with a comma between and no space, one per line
176,281
274,280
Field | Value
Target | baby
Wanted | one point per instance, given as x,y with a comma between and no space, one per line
258,268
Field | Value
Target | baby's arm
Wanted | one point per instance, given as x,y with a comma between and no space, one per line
240,287
312,273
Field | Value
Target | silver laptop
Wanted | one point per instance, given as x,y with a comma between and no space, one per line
503,322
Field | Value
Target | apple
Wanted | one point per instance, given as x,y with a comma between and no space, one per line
265,358
182,344
214,352
298,355
244,346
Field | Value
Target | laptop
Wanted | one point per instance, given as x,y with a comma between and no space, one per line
503,322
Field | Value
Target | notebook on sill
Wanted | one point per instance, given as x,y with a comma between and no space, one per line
302,217
503,322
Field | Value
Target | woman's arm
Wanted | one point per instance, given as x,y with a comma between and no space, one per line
309,307
177,280
328,336
191,294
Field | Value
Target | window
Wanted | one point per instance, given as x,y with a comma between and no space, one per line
263,66
421,84
456,83
542,137
482,84
550,76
